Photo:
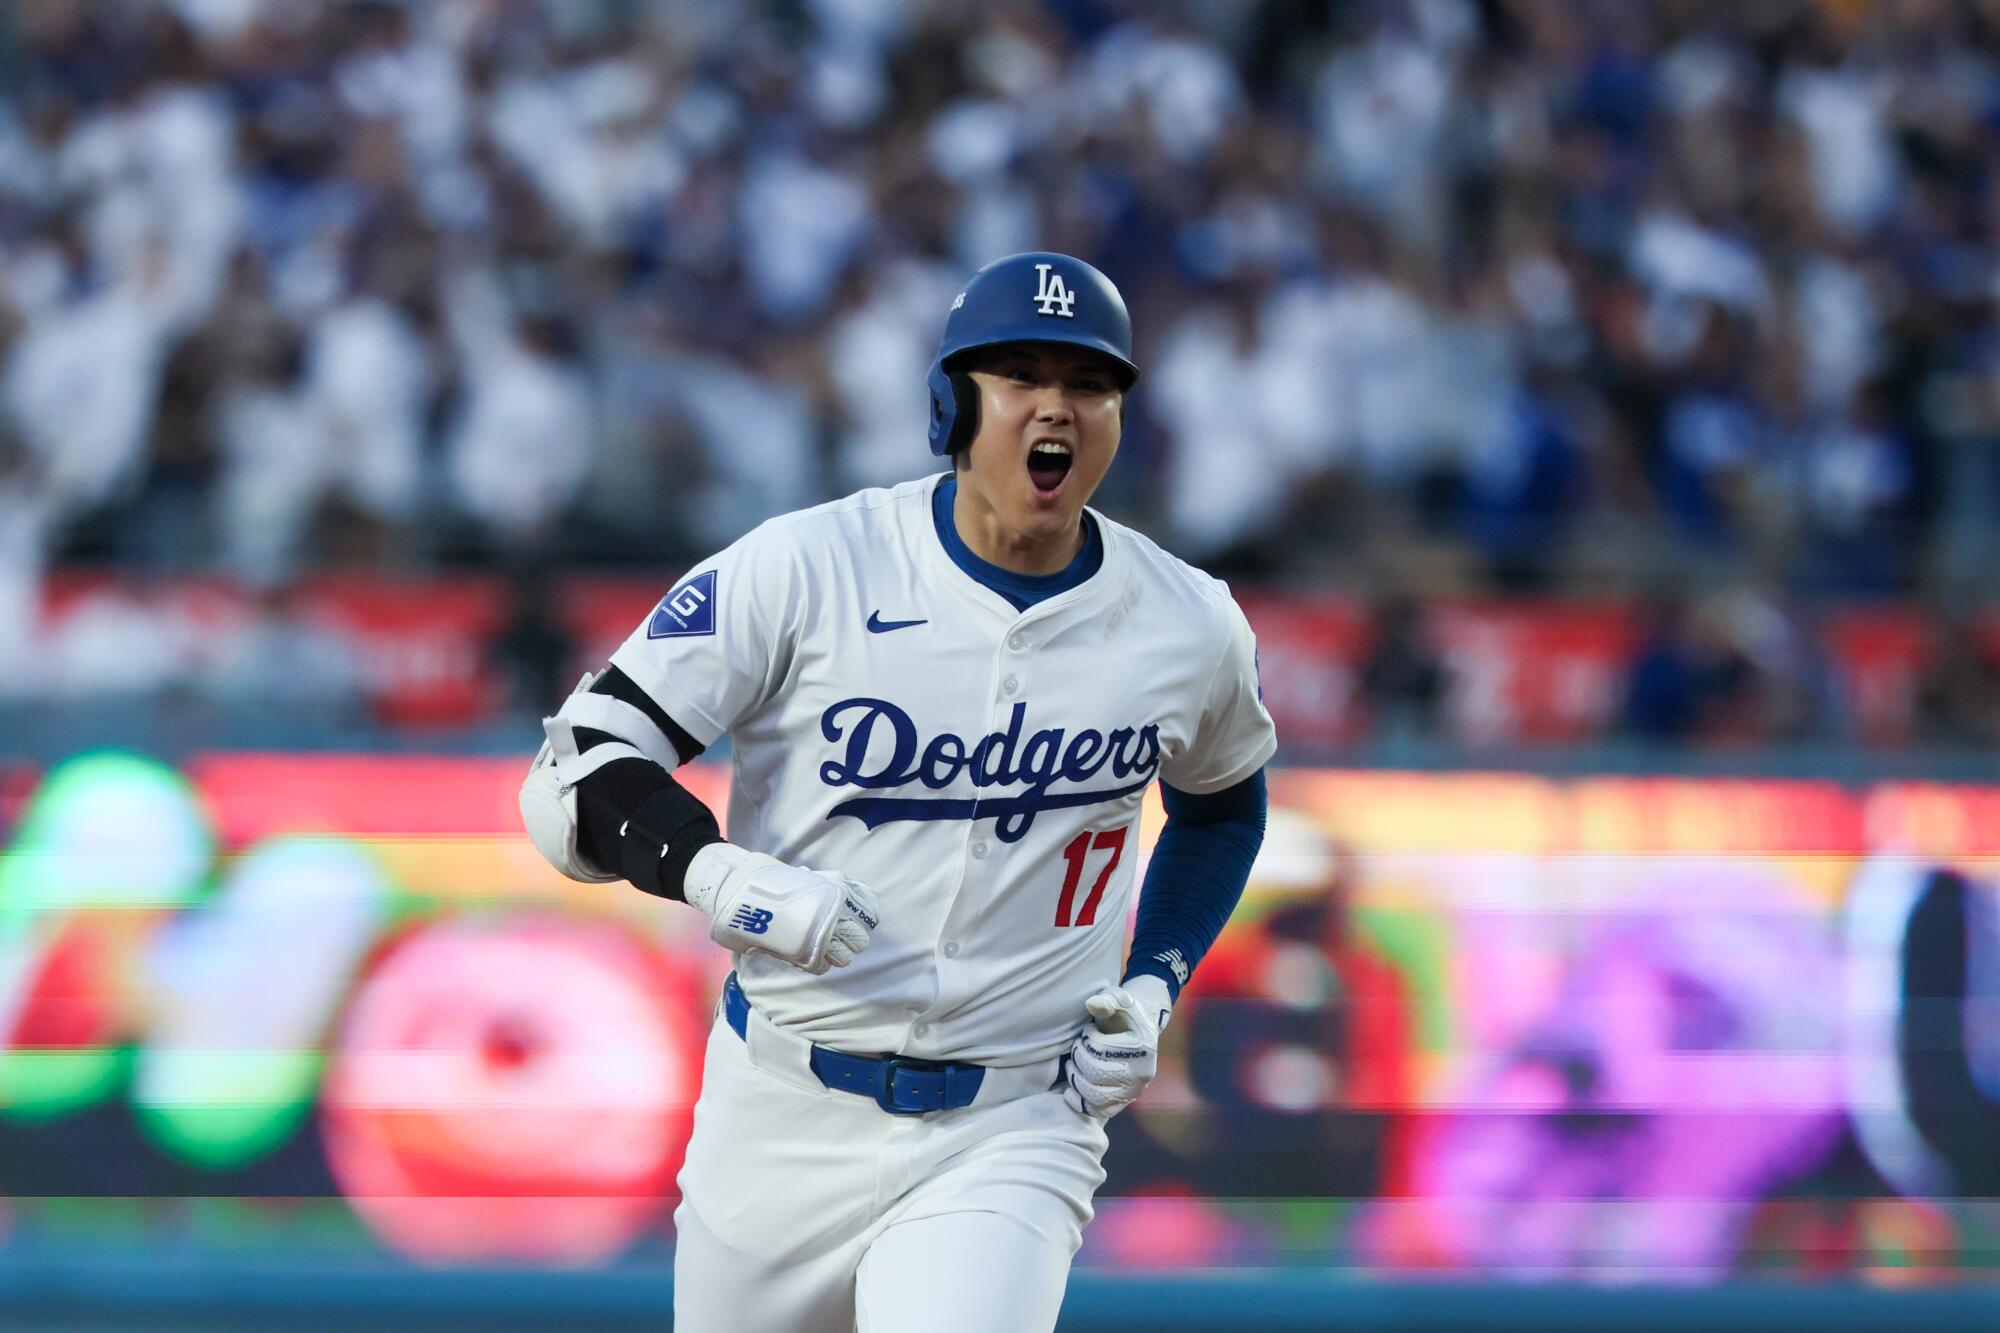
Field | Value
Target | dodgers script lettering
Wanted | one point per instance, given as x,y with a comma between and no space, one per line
1023,765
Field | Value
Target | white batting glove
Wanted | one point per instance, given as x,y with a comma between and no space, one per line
813,920
1116,1057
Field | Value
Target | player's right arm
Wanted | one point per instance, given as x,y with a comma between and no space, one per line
600,801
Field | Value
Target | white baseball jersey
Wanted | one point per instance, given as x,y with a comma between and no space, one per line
980,768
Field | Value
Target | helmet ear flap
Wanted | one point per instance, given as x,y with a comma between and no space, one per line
965,421
954,410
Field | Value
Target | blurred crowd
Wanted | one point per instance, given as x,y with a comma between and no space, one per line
1724,671
1509,294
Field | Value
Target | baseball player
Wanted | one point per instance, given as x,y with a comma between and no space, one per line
945,701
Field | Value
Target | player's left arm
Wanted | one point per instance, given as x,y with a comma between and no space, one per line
1215,800
1199,867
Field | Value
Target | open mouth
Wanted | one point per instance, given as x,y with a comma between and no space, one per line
1048,466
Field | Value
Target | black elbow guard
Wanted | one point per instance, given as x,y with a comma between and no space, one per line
658,840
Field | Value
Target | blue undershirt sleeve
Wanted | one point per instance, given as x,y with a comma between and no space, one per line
1197,874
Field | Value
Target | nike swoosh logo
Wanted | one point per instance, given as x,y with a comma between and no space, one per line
877,625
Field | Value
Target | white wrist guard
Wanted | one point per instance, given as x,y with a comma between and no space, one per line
1154,998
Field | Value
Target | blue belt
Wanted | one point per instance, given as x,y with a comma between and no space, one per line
900,1084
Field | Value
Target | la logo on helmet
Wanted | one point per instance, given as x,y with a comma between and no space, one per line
1053,296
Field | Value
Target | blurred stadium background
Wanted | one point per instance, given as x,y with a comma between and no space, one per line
1596,405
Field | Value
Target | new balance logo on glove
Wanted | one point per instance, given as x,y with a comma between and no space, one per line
751,920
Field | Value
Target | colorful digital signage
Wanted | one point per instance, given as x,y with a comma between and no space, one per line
1468,1023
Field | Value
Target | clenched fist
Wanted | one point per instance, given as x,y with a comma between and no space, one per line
1117,1055
814,920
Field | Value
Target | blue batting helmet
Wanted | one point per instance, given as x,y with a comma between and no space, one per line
1038,297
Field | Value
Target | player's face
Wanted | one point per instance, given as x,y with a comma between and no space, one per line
1049,423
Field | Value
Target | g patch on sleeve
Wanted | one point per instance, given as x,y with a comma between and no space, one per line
687,612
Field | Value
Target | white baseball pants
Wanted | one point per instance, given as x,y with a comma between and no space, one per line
805,1210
